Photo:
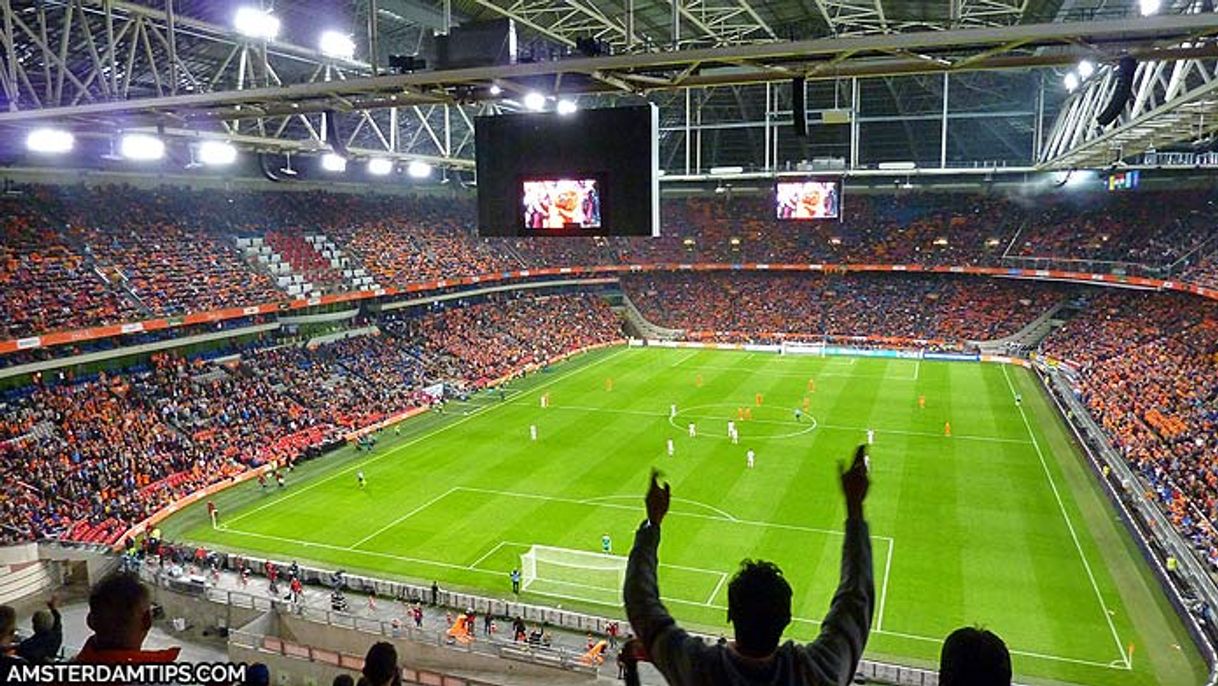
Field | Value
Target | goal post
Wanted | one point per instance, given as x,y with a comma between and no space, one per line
575,574
799,348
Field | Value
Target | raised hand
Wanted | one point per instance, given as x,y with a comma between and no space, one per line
855,482
658,498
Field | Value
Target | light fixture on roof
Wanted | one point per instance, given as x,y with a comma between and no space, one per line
1085,69
495,89
535,101
217,153
50,141
337,45
566,107
141,147
379,166
332,162
1149,7
1071,82
252,22
720,171
418,169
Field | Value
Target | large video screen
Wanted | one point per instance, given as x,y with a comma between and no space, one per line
590,173
808,199
561,204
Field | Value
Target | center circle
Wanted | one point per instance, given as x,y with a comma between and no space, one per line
691,413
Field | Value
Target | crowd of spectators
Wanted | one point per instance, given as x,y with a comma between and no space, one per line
1147,369
759,306
73,257
86,458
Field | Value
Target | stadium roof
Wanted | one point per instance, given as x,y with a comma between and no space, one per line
958,84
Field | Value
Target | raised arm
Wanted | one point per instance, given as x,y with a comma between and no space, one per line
836,652
668,647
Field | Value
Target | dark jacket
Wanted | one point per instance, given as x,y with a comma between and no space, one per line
44,646
686,660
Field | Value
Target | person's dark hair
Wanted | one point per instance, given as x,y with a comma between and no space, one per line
8,623
381,664
257,674
115,607
343,680
758,606
974,657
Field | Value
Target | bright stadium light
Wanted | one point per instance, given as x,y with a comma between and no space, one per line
418,169
51,141
1085,69
255,23
337,45
495,89
1149,7
217,153
333,163
535,101
379,166
567,107
1071,81
141,147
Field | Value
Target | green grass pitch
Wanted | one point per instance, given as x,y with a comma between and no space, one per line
1000,524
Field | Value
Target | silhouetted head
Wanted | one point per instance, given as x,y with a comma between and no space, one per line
974,657
381,664
759,607
8,624
120,612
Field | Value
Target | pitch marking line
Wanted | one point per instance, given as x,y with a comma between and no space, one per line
1069,525
804,375
683,359
832,427
474,565
403,518
722,579
721,513
359,464
879,617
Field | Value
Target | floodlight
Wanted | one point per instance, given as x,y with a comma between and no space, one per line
535,101
721,171
1149,7
141,147
1071,81
333,163
337,45
52,141
495,89
567,107
217,153
255,23
379,166
1085,69
418,169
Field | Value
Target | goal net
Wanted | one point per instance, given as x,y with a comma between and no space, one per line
573,574
798,348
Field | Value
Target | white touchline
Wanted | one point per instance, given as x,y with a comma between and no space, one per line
1069,525
393,451
879,617
403,518
683,359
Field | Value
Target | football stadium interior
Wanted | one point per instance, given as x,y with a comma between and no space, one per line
342,341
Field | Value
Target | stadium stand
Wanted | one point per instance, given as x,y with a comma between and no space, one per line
1147,369
86,458
753,307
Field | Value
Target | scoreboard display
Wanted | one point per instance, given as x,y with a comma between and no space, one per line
589,173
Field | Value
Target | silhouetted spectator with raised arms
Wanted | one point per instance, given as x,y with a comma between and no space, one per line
120,615
759,607
974,657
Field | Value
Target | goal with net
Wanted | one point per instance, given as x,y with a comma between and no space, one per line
799,348
574,574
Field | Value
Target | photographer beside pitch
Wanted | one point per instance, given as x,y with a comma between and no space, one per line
759,607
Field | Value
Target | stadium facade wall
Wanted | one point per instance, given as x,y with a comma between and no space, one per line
297,305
